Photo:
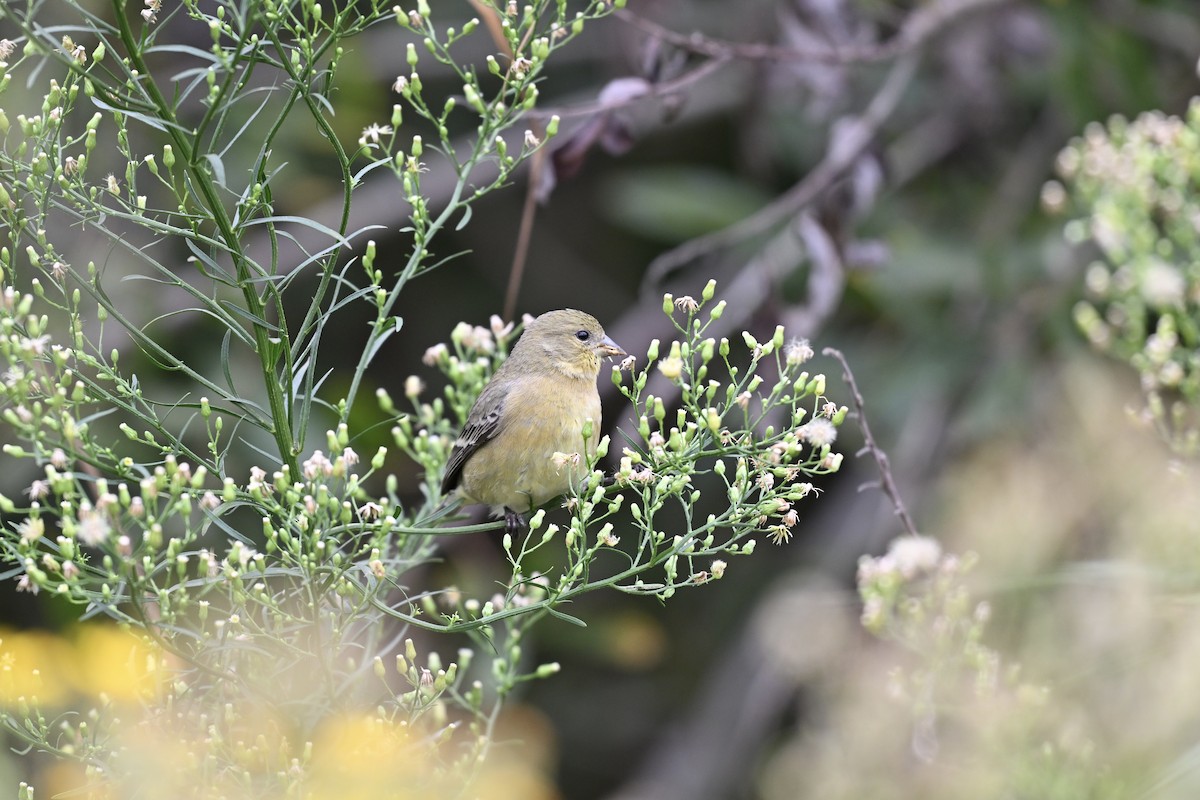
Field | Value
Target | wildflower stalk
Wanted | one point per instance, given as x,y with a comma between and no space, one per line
150,508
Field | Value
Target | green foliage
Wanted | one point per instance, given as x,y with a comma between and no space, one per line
271,599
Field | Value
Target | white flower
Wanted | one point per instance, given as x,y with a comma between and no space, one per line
1162,285
911,555
605,536
7,46
31,529
797,351
93,529
687,303
499,329
241,554
474,337
560,459
150,12
413,386
317,465
373,133
435,354
671,367
35,346
818,432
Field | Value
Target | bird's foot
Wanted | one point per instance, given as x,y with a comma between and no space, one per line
514,523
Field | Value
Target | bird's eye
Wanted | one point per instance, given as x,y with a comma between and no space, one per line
582,336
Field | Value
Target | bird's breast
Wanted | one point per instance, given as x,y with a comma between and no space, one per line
542,416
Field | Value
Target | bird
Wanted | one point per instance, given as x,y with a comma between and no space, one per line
534,407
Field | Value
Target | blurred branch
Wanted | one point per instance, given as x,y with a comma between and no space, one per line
1174,29
826,281
516,271
1016,196
617,102
843,151
917,28
886,481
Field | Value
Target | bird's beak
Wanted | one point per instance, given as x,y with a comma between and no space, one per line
607,347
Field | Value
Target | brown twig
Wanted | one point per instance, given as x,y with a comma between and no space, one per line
918,27
529,209
525,232
887,483
841,155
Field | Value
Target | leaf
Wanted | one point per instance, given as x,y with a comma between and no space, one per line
302,221
218,168
241,312
565,617
466,217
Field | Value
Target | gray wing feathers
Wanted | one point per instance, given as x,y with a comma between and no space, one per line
477,432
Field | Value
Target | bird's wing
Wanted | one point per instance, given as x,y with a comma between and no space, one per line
483,423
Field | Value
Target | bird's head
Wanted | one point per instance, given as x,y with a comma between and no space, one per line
569,341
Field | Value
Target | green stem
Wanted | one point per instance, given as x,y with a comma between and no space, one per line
280,426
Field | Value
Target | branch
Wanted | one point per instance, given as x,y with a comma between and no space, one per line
529,209
842,153
918,27
886,480
624,99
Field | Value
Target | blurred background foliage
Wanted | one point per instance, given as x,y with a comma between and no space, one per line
936,261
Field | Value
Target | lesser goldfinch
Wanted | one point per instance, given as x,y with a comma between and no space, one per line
533,408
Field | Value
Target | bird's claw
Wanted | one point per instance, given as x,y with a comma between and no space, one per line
514,523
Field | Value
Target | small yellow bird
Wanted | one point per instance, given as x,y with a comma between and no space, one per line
533,407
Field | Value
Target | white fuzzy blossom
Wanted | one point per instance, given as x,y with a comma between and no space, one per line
93,529
818,432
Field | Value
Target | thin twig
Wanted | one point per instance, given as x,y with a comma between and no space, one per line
536,166
525,232
886,481
918,28
841,155
654,90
